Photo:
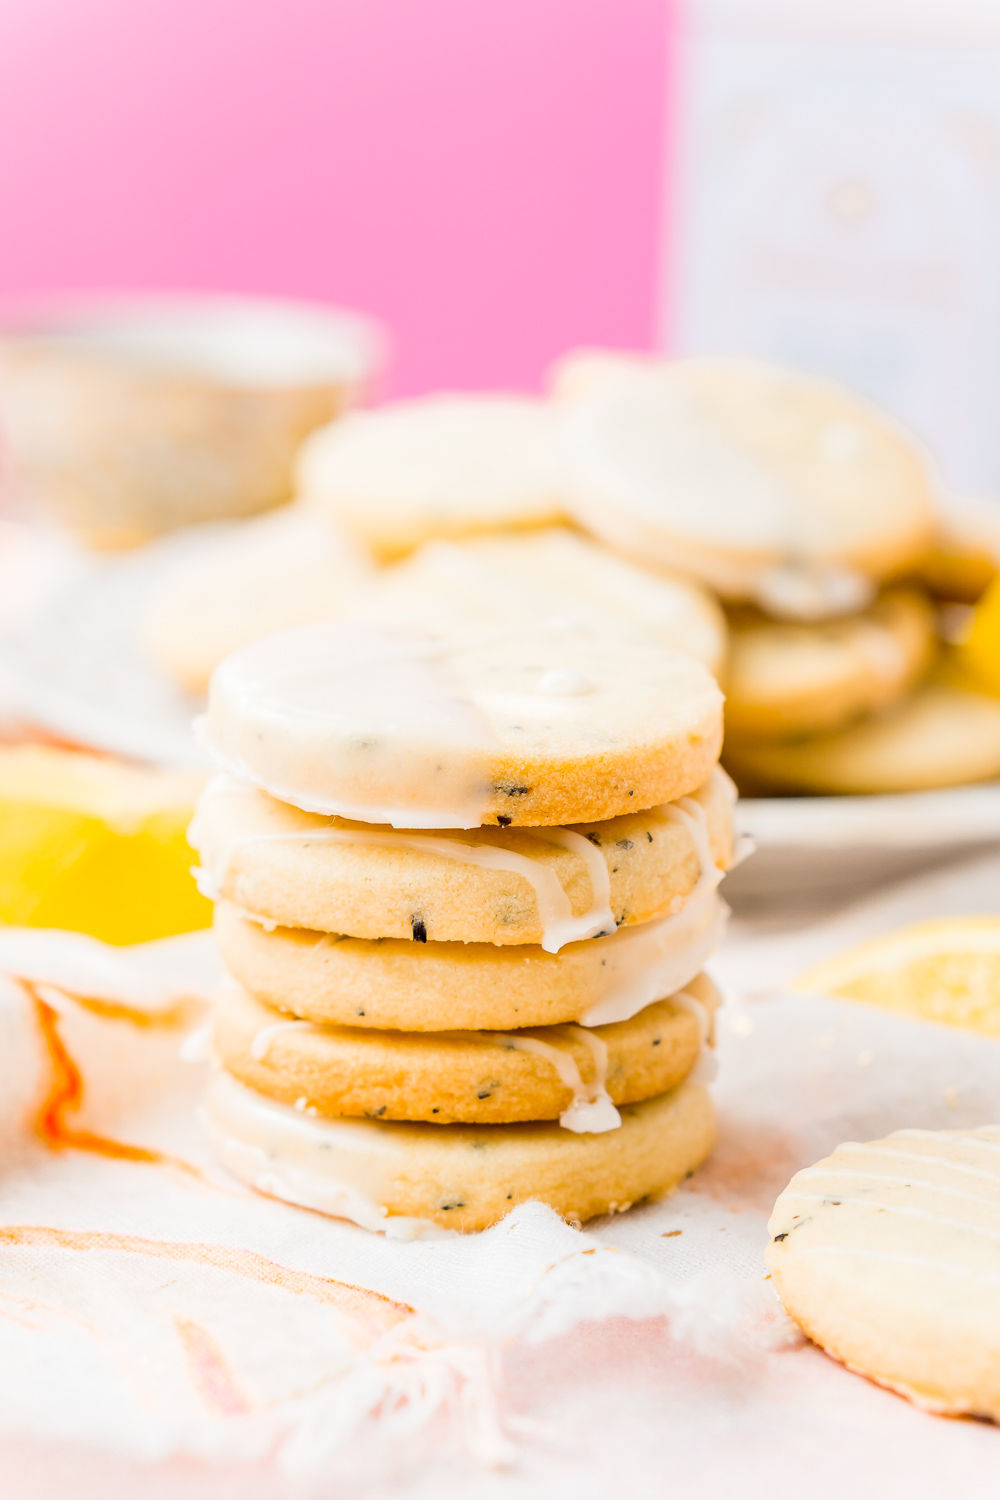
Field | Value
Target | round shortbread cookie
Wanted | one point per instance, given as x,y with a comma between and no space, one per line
244,582
768,485
502,885
438,466
788,679
407,1178
397,984
886,1253
508,580
477,1077
943,736
535,725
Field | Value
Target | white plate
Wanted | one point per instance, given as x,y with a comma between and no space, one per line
80,671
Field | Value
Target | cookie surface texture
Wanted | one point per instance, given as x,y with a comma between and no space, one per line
941,737
534,726
439,466
408,1178
509,579
768,485
886,1254
787,679
399,984
251,578
504,886
442,1077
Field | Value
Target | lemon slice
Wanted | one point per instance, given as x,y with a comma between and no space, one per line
979,654
946,970
97,846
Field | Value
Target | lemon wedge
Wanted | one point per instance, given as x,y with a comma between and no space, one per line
97,846
978,656
946,970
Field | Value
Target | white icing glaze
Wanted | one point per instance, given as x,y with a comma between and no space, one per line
261,1044
920,1156
798,590
706,1068
591,1110
338,1167
559,925
347,705
967,1226
565,684
655,959
895,1177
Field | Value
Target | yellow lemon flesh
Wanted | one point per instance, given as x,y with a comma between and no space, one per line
97,846
979,654
947,970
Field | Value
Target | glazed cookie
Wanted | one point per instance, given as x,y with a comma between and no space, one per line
479,1077
551,886
941,737
439,466
244,582
788,679
770,486
508,580
408,1179
398,984
533,725
886,1254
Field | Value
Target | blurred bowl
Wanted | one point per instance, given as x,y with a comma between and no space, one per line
125,417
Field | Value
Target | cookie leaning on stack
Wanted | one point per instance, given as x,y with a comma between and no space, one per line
465,892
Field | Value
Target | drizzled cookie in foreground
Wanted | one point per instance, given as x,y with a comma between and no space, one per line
439,1008
887,1254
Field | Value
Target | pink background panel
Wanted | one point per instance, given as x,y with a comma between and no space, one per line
484,175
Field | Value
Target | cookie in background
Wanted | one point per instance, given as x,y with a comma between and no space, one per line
786,679
96,845
291,567
773,487
445,465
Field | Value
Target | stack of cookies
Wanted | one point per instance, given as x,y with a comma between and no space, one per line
814,518
464,892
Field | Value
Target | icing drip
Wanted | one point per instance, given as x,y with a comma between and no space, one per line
927,1183
691,815
811,591
706,1068
261,1044
600,919
919,1156
591,1111
967,1226
555,913
655,959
